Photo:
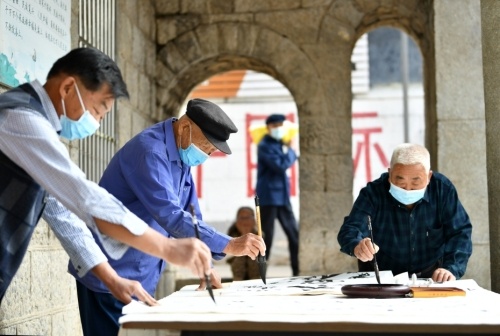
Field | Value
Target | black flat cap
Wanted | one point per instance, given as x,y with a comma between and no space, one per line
213,122
275,118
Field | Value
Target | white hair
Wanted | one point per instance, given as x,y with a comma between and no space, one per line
411,154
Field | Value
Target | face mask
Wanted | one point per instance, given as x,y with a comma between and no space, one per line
192,156
81,128
278,132
406,196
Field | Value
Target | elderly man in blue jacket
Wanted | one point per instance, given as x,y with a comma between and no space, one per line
274,157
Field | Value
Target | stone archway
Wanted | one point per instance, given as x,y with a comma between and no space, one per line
196,55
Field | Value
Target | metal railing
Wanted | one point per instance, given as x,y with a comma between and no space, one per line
96,28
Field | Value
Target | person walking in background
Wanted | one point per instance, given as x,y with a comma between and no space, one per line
274,157
243,268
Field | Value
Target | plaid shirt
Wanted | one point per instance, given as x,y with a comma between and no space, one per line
436,229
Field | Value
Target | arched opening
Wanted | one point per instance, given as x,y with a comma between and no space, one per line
226,182
388,100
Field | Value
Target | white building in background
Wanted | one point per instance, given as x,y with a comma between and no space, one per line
226,182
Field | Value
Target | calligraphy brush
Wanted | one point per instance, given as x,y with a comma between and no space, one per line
375,265
207,277
261,260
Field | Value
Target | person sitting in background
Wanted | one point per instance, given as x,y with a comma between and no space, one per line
243,268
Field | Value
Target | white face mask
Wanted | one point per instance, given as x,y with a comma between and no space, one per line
407,197
278,132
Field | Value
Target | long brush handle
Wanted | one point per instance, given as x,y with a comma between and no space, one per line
257,214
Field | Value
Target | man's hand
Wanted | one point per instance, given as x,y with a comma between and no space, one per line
364,251
215,280
125,289
246,245
122,289
191,253
442,275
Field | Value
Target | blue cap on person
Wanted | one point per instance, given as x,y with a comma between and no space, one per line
213,122
275,118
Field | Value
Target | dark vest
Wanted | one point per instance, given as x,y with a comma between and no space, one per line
22,200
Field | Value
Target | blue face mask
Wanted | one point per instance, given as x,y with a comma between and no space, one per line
192,156
81,128
406,197
278,132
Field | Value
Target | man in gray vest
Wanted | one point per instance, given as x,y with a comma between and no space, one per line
38,178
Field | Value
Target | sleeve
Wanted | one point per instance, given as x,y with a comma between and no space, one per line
457,234
354,228
31,142
274,158
74,236
153,183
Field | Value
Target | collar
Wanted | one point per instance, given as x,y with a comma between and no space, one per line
172,151
47,105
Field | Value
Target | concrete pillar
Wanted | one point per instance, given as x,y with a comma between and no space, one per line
490,24
460,148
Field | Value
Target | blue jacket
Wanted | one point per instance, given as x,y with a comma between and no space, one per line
273,185
149,178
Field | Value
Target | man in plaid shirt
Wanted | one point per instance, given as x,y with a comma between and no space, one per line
419,224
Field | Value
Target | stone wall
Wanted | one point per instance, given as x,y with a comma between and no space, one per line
42,298
165,48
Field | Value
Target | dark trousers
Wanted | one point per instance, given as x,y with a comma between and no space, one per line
99,312
285,216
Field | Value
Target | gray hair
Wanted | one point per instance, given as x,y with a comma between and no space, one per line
411,154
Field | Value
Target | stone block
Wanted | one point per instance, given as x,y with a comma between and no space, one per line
325,135
166,30
41,235
139,123
208,37
138,46
8,330
17,297
164,7
146,11
194,6
339,34
217,18
478,267
37,326
312,172
347,12
459,73
279,21
131,77
150,59
220,7
163,74
264,5
123,123
123,37
338,173
247,38
172,57
316,3
67,322
127,7
228,37
187,44
325,210
145,95
43,281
